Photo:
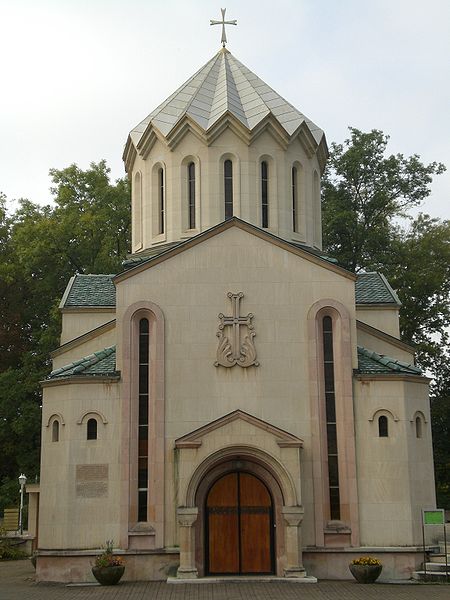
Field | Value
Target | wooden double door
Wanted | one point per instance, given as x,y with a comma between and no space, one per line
239,526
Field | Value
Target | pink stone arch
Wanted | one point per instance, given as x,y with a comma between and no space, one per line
343,355
129,445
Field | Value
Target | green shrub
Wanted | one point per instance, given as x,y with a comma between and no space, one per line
10,552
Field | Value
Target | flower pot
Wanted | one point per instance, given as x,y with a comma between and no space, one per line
365,573
108,575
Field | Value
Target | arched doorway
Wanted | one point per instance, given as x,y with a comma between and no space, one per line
239,526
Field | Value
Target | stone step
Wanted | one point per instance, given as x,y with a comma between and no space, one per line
442,547
433,566
439,558
431,576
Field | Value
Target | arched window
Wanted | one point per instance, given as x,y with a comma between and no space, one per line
383,426
55,431
143,387
330,411
264,194
191,194
418,427
317,210
294,191
137,213
161,201
92,429
228,188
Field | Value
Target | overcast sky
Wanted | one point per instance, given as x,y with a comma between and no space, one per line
77,75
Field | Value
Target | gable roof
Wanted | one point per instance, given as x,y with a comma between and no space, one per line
382,335
98,290
224,85
145,255
84,337
374,288
194,438
89,291
98,364
311,254
372,362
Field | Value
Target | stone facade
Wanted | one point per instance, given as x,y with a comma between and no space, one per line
269,419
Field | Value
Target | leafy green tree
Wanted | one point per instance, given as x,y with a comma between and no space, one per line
440,424
362,191
94,217
419,269
87,230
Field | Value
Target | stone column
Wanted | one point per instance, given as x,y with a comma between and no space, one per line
186,520
293,517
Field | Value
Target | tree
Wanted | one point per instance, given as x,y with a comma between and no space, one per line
363,191
419,269
87,230
440,424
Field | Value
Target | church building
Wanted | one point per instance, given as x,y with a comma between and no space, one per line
233,402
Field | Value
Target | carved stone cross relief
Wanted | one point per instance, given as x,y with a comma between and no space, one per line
241,349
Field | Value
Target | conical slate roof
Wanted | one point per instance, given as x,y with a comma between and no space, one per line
225,85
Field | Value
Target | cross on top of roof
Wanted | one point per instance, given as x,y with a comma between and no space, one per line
223,23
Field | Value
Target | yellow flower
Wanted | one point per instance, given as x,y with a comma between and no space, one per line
366,561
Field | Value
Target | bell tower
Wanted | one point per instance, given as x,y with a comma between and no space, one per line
225,144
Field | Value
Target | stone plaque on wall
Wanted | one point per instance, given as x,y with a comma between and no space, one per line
91,481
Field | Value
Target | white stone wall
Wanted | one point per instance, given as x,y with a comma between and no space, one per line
381,346
209,187
79,322
383,318
279,289
395,473
104,340
67,519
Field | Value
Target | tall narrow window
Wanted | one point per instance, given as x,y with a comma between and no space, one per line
191,194
137,212
228,187
143,419
294,198
161,201
264,194
55,431
92,429
317,210
383,426
330,410
418,427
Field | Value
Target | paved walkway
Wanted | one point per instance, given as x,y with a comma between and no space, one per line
17,583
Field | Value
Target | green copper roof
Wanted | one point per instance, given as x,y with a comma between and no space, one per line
372,362
90,290
136,259
99,290
101,363
373,288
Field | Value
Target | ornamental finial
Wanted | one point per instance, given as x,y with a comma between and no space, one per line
223,23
